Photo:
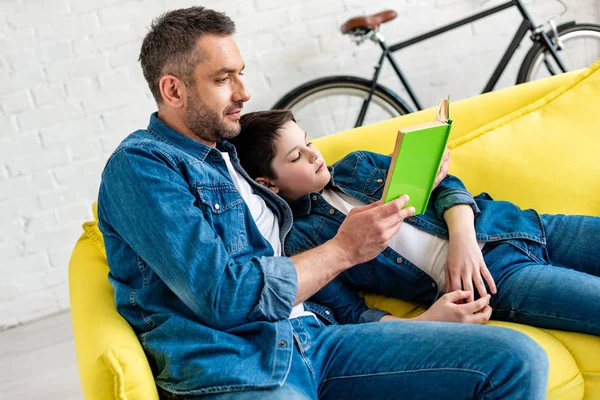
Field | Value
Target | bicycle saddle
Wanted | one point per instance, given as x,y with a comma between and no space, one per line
369,22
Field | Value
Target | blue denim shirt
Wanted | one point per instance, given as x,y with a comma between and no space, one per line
362,175
191,272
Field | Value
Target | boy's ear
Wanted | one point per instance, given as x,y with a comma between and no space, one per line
268,183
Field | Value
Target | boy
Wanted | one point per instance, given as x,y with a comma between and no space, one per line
447,248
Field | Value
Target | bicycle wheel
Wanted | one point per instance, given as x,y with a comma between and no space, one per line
329,105
580,48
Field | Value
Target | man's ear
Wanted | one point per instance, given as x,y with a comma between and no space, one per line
268,183
172,90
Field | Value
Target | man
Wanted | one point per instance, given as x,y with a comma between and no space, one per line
194,249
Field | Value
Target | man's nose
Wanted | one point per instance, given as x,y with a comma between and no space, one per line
241,93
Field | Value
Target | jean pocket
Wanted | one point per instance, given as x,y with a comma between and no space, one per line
224,210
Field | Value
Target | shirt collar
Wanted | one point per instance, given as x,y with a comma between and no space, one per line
304,204
163,132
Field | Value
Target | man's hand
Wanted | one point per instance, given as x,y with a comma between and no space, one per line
367,230
449,308
444,166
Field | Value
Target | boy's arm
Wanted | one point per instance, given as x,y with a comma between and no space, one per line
465,266
449,193
347,305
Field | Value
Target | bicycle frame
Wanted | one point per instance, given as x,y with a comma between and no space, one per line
537,35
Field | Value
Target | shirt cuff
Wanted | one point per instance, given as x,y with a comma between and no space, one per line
280,285
451,198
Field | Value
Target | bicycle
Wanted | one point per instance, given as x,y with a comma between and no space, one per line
366,101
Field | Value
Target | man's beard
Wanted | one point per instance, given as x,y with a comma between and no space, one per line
205,123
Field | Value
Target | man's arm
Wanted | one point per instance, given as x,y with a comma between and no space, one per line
347,305
145,201
365,233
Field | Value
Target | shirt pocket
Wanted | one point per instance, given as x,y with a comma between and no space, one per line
373,177
375,182
224,210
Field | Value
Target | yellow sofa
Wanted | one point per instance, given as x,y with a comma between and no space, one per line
533,144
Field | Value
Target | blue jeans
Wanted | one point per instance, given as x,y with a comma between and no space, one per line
409,360
556,286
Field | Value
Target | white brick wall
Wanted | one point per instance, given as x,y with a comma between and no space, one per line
71,89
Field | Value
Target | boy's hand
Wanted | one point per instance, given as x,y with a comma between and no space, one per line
465,267
367,230
450,308
444,166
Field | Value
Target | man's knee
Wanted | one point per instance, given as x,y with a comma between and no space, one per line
526,359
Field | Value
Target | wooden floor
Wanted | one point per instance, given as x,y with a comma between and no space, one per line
37,361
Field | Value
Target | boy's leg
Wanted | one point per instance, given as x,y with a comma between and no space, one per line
540,294
422,360
573,241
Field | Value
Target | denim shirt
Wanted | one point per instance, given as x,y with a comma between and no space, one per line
192,273
362,175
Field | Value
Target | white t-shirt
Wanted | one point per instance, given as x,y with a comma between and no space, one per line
426,251
263,217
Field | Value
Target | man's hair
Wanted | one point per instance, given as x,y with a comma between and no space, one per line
255,144
170,44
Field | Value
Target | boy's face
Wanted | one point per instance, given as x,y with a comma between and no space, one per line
298,165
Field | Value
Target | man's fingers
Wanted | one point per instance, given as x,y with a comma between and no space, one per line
393,207
367,207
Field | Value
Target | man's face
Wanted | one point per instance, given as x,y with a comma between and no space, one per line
298,165
214,102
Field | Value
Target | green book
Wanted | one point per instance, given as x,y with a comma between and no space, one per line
416,160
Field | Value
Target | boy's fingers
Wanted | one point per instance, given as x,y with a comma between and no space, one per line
485,274
483,316
479,285
467,284
477,305
457,295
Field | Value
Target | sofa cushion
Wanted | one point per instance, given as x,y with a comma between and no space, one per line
522,156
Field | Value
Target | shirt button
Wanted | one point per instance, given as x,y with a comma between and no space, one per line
433,285
399,260
379,180
282,343
327,312
331,211
314,197
217,206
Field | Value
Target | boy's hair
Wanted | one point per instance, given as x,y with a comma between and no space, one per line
169,47
256,142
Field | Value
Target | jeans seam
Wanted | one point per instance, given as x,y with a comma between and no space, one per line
541,315
410,371
301,350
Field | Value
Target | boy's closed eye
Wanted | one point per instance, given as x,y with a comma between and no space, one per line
309,144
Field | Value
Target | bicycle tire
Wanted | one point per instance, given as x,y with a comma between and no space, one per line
565,32
310,93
